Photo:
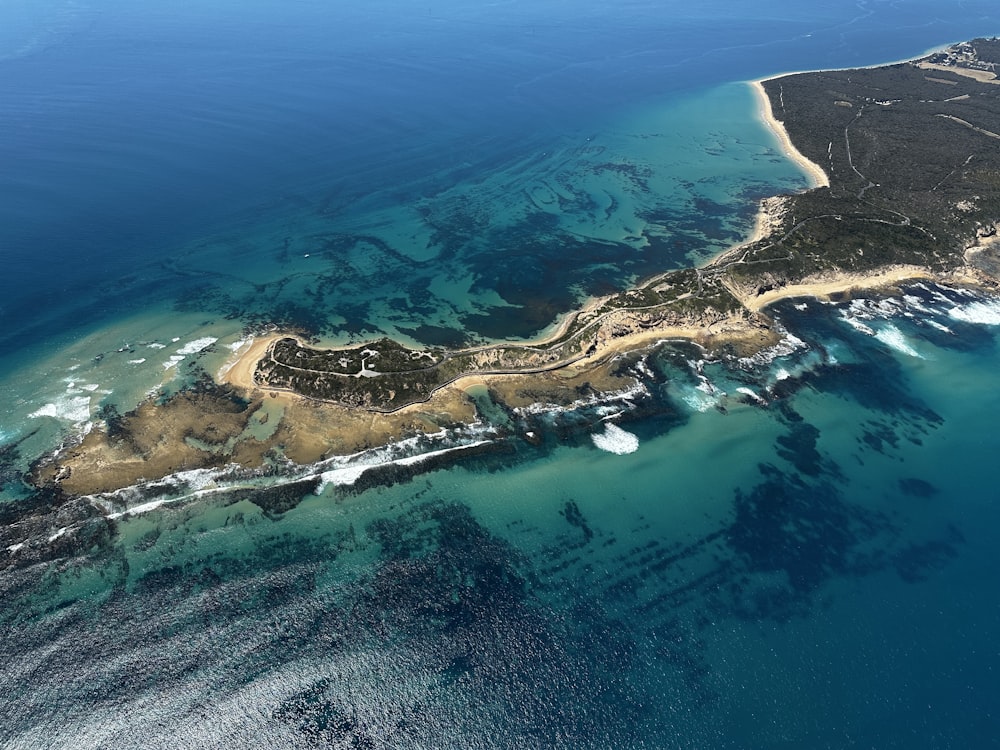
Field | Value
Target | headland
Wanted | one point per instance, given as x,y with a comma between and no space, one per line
905,176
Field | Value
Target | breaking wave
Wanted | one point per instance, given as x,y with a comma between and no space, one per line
615,440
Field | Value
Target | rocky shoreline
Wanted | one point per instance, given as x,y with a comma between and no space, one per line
285,401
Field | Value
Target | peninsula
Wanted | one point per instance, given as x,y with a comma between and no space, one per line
905,163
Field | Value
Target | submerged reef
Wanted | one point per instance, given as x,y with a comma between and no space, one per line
907,163
912,171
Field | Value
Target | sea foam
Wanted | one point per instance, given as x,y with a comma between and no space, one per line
752,394
857,325
173,361
615,440
193,347
69,408
894,338
789,344
348,475
196,483
984,313
607,403
237,348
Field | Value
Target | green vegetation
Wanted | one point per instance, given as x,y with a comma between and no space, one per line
913,159
912,154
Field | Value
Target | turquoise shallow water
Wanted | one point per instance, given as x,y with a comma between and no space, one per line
811,572
795,551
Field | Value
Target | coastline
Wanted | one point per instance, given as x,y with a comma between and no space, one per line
824,286
817,177
766,112
709,305
719,474
239,371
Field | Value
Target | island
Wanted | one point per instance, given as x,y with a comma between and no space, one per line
905,163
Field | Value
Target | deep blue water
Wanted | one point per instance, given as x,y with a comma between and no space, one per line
800,554
129,130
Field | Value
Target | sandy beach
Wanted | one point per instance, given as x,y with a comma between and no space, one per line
737,330
240,373
823,286
817,176
305,430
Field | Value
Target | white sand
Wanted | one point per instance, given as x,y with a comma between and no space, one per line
817,176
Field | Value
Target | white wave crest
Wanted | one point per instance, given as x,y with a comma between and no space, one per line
751,394
197,483
624,398
914,303
237,348
894,338
615,440
75,409
789,344
348,475
193,347
983,313
173,361
857,324
186,486
939,326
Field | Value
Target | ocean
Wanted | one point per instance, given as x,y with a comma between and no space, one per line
795,550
